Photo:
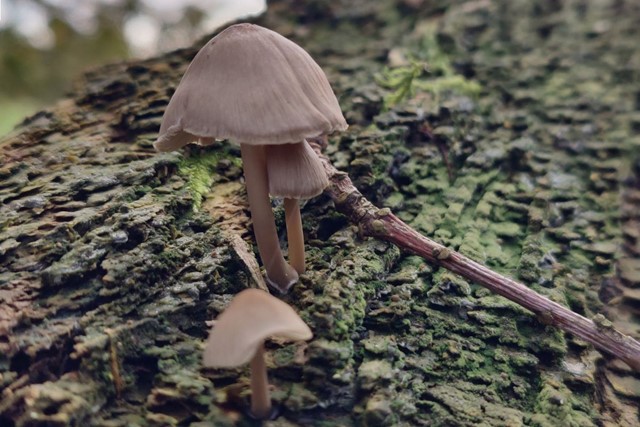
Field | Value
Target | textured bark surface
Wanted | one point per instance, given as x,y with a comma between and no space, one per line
517,146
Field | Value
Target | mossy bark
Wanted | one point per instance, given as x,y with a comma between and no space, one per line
516,144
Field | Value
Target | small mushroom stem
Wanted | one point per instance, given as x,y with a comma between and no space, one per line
279,274
294,234
260,396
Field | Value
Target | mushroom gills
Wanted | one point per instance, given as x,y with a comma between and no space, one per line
295,171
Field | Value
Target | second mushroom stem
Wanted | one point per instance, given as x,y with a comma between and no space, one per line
279,273
260,396
295,235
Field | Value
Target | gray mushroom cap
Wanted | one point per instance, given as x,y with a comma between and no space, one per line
251,317
254,86
295,171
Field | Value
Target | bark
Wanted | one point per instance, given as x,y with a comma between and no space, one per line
384,225
516,146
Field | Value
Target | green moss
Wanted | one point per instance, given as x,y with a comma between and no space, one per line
300,399
555,405
453,83
429,70
401,81
199,172
528,267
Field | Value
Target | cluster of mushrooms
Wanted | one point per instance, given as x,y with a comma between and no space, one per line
253,86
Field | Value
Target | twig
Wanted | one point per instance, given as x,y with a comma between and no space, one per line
118,384
384,225
426,131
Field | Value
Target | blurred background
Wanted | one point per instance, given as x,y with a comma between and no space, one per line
44,44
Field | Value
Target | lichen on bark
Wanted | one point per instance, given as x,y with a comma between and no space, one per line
108,275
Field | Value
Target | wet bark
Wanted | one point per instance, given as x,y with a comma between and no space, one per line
516,146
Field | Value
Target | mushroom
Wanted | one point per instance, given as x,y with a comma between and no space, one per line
238,337
253,86
295,172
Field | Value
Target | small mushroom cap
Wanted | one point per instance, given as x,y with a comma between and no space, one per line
251,317
252,85
295,171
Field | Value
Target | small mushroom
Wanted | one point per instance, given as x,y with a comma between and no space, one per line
238,337
295,172
254,86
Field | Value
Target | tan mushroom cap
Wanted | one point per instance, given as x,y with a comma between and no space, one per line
295,171
251,317
254,86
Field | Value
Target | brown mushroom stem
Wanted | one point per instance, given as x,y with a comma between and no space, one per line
260,396
295,235
279,274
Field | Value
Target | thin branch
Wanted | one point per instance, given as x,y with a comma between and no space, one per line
384,225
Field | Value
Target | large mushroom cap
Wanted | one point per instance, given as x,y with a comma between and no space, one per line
252,85
250,318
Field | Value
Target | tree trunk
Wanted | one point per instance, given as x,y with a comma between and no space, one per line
505,130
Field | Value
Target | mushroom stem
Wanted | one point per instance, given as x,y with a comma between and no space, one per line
260,396
279,273
294,234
